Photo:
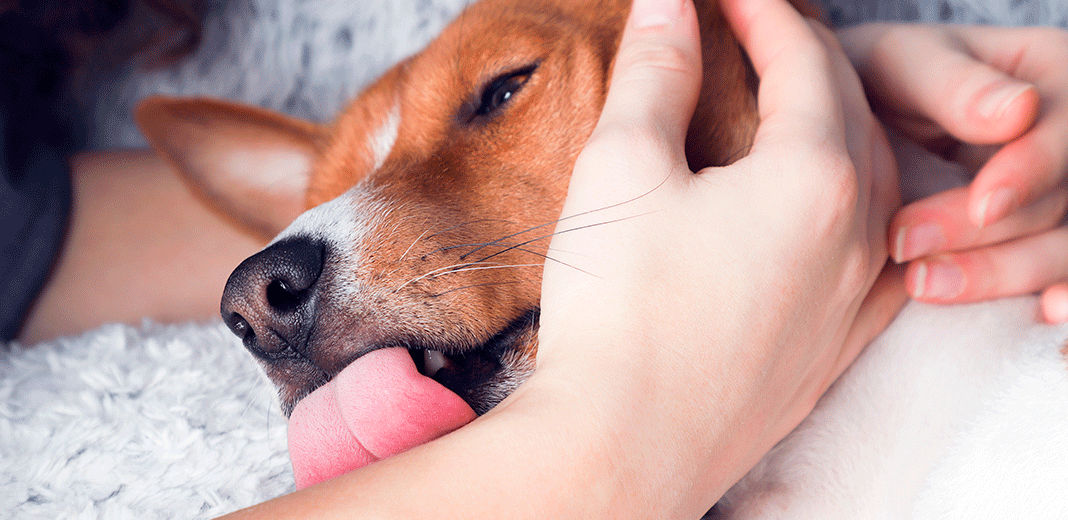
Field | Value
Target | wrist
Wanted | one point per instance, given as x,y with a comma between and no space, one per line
667,458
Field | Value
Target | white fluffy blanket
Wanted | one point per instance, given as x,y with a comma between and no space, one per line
138,422
175,421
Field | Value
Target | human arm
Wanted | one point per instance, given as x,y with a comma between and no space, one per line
140,243
996,100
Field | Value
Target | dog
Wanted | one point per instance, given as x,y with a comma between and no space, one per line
411,233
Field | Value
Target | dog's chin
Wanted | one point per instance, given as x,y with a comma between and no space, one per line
486,374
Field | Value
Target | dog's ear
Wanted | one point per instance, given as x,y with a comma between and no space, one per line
250,163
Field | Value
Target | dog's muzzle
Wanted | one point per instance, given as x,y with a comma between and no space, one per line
269,300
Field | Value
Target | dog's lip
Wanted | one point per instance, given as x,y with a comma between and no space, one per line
464,370
458,370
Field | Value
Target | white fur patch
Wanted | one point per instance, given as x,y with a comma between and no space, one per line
953,412
383,138
345,224
334,221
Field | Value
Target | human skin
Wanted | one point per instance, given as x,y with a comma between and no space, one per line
996,100
141,245
654,390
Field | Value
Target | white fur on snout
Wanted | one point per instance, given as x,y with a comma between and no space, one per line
335,222
345,224
383,138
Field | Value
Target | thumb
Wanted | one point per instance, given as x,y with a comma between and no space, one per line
656,79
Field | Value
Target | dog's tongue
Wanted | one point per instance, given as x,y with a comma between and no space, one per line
380,405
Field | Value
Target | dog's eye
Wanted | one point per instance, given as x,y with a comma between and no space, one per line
501,89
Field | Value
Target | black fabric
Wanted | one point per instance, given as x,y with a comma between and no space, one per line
35,185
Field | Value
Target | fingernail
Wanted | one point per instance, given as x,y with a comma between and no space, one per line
916,241
655,13
995,205
938,280
994,104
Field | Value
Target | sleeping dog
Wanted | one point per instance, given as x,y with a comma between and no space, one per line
404,302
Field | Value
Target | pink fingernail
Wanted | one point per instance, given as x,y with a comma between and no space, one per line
938,280
996,205
995,103
916,241
655,13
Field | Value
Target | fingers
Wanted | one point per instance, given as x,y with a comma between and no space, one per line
960,89
798,99
1021,266
1054,304
655,83
920,72
940,224
1026,168
813,110
1023,171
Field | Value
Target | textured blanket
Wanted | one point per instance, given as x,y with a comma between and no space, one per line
161,421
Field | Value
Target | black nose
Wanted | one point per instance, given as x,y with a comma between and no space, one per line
269,300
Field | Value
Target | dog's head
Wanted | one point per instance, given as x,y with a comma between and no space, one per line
432,197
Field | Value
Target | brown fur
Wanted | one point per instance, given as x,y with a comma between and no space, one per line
454,182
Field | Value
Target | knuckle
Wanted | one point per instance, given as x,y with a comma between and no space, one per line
837,195
839,180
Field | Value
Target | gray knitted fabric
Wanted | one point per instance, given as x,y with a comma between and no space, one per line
307,58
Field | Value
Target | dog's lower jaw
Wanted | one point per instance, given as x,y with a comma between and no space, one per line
507,361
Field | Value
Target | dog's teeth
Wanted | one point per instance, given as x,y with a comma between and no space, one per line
433,361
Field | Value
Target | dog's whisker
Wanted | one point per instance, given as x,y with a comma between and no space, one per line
543,237
485,267
485,244
472,286
392,232
433,271
561,219
417,239
506,237
508,244
424,235
471,222
551,259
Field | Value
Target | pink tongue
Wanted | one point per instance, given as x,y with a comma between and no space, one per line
380,405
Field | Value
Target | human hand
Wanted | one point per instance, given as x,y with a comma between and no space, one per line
700,317
996,100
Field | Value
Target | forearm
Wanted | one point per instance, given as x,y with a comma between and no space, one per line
140,244
540,454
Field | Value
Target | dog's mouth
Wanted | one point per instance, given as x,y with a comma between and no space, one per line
482,375
395,398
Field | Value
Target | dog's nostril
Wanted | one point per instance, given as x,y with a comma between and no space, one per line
241,328
275,293
283,297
